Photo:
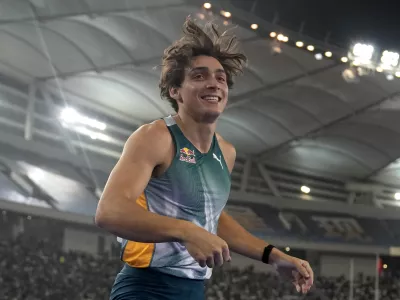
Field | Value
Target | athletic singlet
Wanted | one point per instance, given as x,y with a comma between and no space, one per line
195,188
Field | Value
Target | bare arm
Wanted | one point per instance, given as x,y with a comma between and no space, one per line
117,211
242,242
239,239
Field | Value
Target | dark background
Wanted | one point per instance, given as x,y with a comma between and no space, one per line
376,22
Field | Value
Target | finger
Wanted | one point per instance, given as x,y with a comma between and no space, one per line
310,280
210,262
226,254
202,262
302,270
218,259
297,286
296,279
304,288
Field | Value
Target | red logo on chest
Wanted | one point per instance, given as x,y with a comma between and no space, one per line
187,155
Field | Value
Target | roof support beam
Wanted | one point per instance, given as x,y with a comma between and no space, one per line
62,131
246,174
287,144
87,11
270,182
30,112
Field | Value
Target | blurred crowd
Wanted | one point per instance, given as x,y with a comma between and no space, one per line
32,269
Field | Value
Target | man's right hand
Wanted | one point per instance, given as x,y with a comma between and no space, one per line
206,248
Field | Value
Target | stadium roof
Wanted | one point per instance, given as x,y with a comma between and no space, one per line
98,56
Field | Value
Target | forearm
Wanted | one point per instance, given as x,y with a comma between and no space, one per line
132,222
241,241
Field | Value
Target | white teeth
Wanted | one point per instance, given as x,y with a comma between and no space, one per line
210,98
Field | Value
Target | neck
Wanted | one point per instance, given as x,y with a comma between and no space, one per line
198,133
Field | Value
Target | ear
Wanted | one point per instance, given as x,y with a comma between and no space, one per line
174,92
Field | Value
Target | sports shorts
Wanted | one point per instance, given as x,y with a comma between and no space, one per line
149,284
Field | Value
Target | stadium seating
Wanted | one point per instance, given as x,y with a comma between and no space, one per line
33,268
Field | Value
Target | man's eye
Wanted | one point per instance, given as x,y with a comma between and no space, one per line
198,76
221,79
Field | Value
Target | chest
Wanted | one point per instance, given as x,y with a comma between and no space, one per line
200,179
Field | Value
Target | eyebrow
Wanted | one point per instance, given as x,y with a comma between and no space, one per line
205,69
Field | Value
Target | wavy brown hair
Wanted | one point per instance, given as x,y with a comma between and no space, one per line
196,42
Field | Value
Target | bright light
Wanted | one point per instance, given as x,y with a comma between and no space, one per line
389,77
36,174
397,196
92,134
328,54
299,44
389,59
254,26
379,69
344,59
397,74
356,63
282,38
385,266
207,5
305,189
272,34
71,116
318,56
310,48
363,52
226,23
349,76
226,14
287,249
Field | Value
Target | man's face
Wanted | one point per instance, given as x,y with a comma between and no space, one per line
204,91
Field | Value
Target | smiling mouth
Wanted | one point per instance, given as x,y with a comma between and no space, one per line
212,99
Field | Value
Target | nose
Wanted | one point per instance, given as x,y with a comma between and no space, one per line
213,83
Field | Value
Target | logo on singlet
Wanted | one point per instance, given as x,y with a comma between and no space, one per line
218,159
187,155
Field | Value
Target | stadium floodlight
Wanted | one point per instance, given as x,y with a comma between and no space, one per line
397,196
36,174
254,26
299,44
71,116
328,54
363,53
344,59
389,77
207,5
92,134
397,74
305,189
226,14
310,48
389,59
318,56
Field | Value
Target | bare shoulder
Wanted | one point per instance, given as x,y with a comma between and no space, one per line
152,139
228,150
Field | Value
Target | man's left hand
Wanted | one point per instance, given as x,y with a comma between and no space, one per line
297,270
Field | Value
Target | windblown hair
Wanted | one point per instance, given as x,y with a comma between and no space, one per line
196,42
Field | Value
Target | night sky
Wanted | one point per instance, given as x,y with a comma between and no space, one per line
375,21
